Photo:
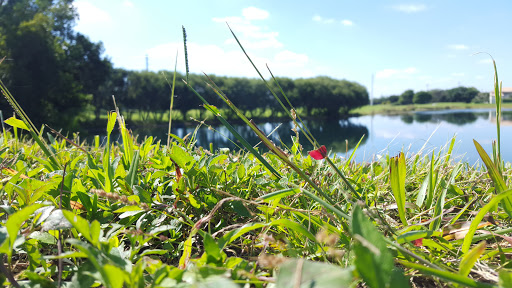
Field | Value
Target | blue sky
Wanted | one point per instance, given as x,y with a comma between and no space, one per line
404,44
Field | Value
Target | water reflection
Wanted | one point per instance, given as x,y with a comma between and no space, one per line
335,135
383,133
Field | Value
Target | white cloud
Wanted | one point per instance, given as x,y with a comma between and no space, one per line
395,73
90,14
347,22
320,19
410,8
253,13
214,59
458,74
458,47
251,36
128,3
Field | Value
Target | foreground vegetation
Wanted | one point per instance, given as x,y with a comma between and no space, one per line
149,214
145,214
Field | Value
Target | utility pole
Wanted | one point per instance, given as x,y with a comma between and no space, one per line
147,63
371,93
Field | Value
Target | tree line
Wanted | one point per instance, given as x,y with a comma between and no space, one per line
150,91
60,76
458,94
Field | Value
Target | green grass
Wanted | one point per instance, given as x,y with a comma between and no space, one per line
148,214
236,214
396,109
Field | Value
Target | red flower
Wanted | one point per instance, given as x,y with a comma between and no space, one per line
319,153
418,242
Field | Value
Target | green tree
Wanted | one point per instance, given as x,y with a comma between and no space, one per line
51,70
406,97
422,97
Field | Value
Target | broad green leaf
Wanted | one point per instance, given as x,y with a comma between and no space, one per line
397,173
240,172
280,194
131,178
111,122
373,260
144,195
414,235
210,247
43,237
13,226
56,221
115,275
469,258
17,123
305,273
128,208
478,218
89,231
181,157
505,280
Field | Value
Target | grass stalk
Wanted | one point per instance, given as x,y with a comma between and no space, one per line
172,100
36,135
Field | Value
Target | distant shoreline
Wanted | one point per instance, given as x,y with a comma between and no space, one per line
399,109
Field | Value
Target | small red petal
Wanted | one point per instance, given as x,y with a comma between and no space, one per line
319,153
418,242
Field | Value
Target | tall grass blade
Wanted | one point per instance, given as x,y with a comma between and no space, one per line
497,94
172,100
446,275
495,176
469,259
235,133
353,152
478,218
439,208
397,173
32,129
186,52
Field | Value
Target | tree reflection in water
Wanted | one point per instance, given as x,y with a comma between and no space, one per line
332,134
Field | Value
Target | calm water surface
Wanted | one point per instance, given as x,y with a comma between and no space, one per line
411,133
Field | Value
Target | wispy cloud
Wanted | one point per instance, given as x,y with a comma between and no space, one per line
90,14
320,19
458,74
252,35
395,73
253,13
227,58
128,3
458,47
410,8
347,22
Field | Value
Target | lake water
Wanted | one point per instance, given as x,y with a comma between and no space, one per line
411,133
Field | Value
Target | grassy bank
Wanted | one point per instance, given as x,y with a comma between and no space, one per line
147,214
397,109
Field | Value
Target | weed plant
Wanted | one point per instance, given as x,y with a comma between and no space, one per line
146,214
